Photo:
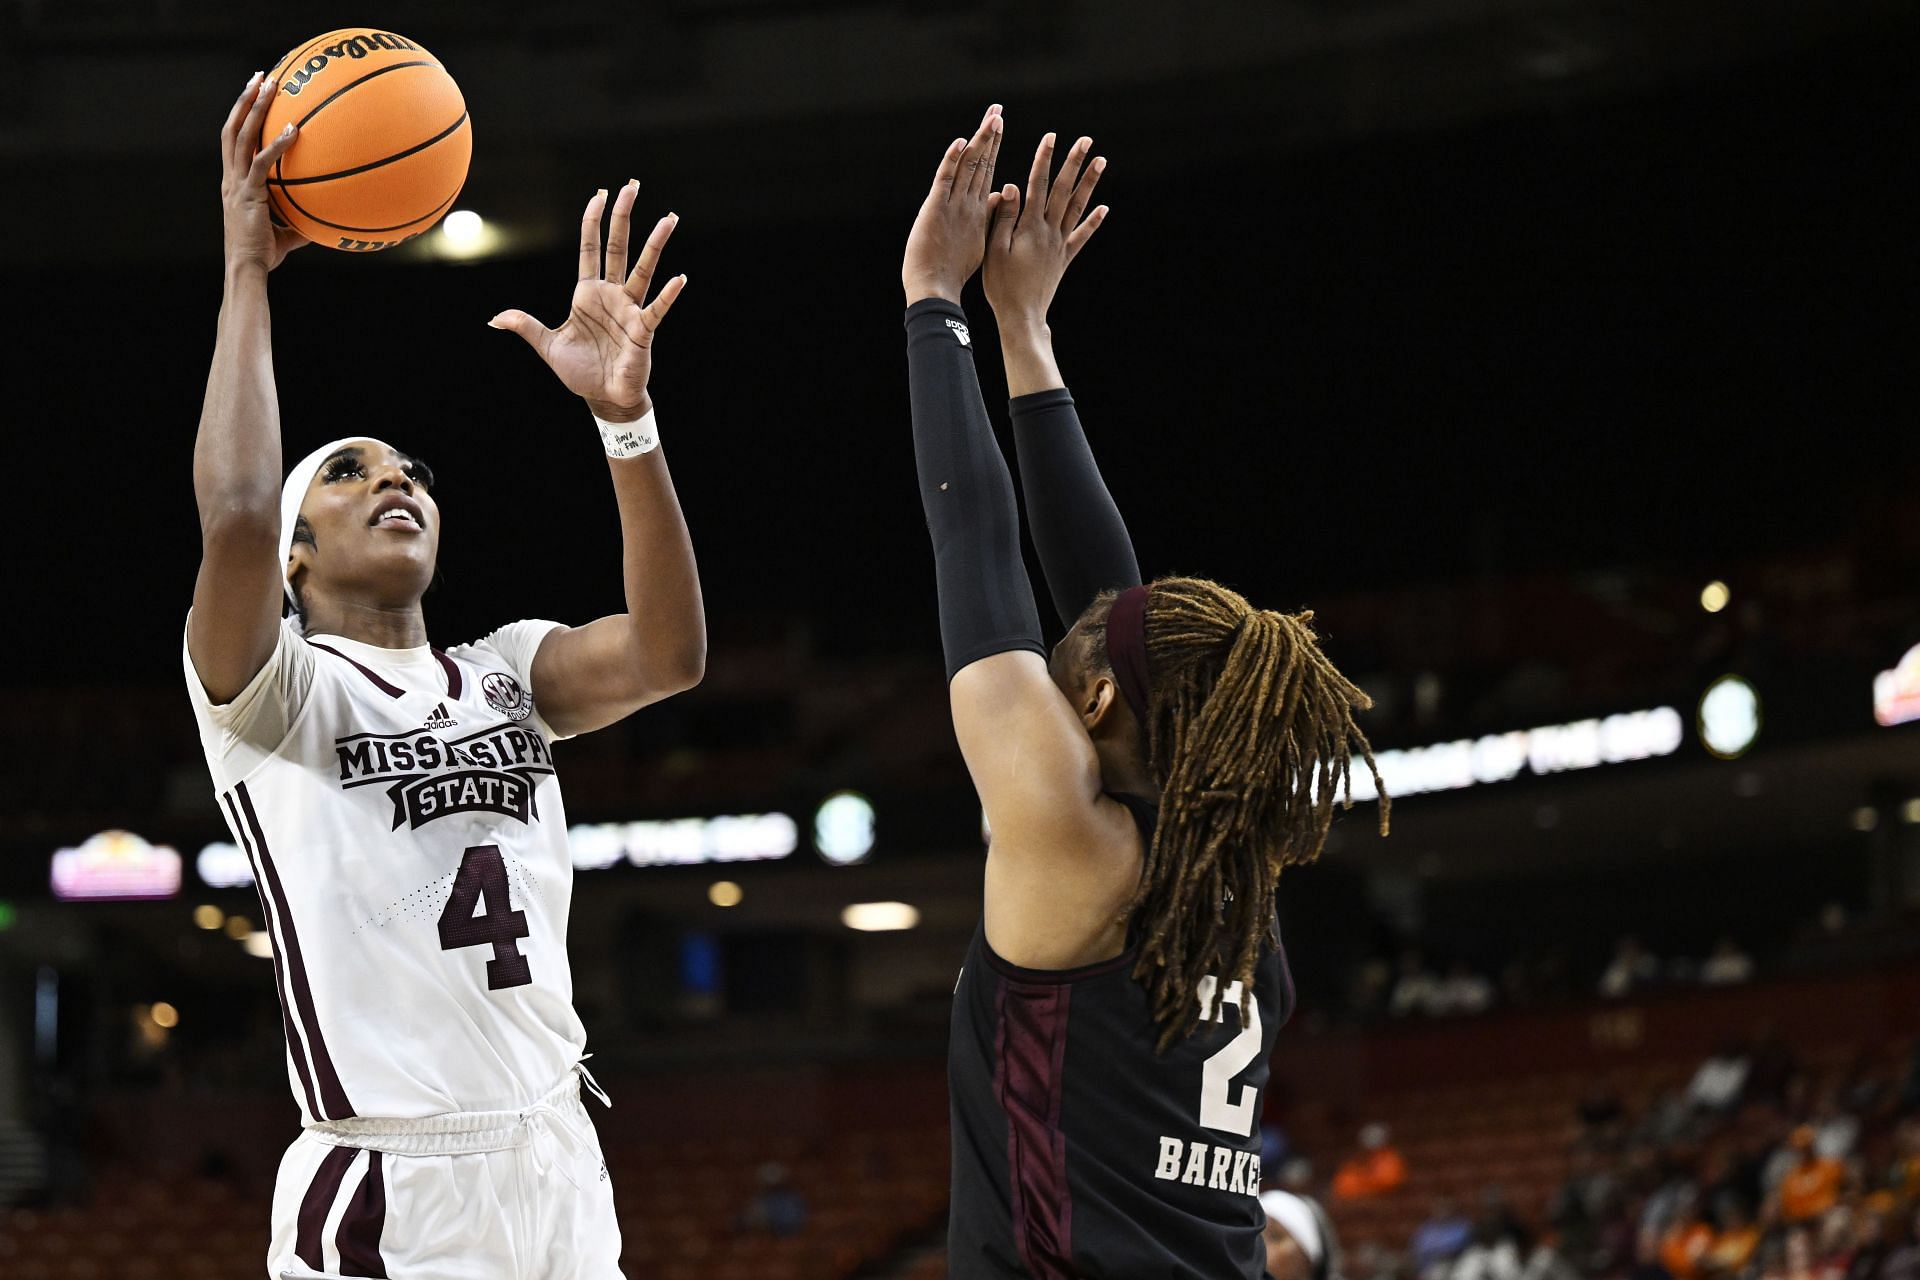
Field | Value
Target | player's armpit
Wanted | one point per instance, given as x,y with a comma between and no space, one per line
1065,857
586,678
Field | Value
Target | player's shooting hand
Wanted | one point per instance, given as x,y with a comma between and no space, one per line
604,351
949,234
1029,247
244,165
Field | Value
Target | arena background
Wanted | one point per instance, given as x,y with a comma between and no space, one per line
1508,337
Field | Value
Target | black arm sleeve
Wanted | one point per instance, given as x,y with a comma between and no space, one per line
986,602
1082,541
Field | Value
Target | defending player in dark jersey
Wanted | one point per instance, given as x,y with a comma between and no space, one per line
1144,787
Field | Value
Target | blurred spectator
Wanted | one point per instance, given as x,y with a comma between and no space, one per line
1582,1206
1296,1175
1834,1130
1632,967
1299,1238
1438,1240
1685,1243
1811,1186
777,1208
1417,989
1546,1262
1275,1149
1718,1083
1463,991
1600,1111
1375,1170
1771,1068
1734,1243
1903,1259
1903,1171
1499,1245
1870,1247
1727,965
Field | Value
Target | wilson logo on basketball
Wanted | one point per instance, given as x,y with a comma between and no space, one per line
355,47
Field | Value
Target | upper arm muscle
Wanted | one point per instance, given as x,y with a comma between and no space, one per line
236,603
585,678
1065,858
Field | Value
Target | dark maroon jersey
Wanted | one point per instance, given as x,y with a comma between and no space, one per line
1080,1151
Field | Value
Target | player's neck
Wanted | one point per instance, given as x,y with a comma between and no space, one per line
382,626
1121,771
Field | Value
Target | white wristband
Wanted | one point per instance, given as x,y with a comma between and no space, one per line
629,439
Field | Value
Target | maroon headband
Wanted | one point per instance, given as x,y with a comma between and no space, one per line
1127,648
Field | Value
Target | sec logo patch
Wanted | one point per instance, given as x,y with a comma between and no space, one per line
504,694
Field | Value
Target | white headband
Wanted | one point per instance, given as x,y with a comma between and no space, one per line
1297,1220
293,493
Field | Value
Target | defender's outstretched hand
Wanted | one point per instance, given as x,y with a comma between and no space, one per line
244,164
1028,249
604,351
949,234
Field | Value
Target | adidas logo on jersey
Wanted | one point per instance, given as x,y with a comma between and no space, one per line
440,719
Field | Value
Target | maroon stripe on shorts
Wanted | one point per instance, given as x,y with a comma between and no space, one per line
1030,1046
294,1046
333,1098
452,669
319,1198
361,1224
385,686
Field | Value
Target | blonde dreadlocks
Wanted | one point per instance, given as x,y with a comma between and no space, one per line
1249,735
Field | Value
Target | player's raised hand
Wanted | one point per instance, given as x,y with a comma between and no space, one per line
949,234
603,352
1032,242
244,164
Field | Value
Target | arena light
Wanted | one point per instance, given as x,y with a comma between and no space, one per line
116,865
843,828
880,917
221,865
239,928
1714,596
259,944
464,234
1502,757
164,1014
1910,812
1866,818
208,916
683,842
724,893
1896,693
1729,717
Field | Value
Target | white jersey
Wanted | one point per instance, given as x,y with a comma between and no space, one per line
403,819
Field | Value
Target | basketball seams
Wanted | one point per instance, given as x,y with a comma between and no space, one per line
400,226
415,149
322,105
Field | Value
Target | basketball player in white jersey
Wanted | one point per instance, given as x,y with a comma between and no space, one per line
399,802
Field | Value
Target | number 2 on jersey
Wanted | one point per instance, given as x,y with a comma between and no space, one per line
1218,1110
483,878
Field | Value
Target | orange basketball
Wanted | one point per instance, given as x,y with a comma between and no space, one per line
384,139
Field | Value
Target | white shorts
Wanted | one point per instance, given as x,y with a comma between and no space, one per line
468,1196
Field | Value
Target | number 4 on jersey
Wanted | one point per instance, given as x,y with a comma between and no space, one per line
482,881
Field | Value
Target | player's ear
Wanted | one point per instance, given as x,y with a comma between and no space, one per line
1096,704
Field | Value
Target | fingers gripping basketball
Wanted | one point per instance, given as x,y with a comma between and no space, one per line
383,145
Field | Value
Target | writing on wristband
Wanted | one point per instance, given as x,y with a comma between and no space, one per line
629,439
